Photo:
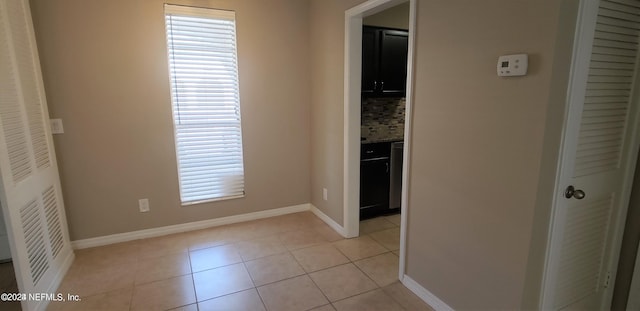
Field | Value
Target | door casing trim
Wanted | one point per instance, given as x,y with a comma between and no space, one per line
585,27
352,117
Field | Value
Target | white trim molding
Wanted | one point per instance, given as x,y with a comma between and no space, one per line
329,221
408,138
203,224
429,298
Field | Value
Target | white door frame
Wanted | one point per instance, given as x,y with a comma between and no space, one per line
352,104
585,27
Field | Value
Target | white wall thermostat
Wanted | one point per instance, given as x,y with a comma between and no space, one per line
513,65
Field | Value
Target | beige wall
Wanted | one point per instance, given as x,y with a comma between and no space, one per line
554,123
327,99
484,148
395,17
476,149
105,72
480,154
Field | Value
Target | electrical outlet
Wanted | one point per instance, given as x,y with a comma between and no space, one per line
325,195
143,204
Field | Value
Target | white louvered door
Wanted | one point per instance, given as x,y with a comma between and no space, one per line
598,163
30,193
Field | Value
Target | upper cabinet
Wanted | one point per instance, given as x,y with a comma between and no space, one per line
384,62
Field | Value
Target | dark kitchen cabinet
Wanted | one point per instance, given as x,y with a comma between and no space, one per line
370,56
384,62
374,179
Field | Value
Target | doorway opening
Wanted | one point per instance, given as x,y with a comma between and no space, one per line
353,110
385,42
385,37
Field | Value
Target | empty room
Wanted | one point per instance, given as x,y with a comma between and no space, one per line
319,155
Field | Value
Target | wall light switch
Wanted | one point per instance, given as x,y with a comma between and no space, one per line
56,126
325,194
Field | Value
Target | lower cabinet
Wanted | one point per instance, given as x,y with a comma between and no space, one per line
374,179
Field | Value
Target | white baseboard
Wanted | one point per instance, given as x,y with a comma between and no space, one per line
329,221
432,300
155,232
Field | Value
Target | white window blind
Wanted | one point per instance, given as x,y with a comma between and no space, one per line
206,103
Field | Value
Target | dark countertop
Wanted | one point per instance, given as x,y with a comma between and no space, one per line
371,140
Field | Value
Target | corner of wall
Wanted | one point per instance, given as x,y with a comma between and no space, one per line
329,221
428,297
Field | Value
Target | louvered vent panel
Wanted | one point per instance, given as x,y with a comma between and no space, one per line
12,123
34,240
53,220
28,79
581,258
609,87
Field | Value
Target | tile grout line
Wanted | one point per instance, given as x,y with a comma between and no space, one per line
193,279
254,284
318,287
244,261
137,265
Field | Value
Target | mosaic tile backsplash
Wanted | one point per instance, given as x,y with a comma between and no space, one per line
382,119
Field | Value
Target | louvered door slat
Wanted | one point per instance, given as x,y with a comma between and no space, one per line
610,42
628,3
610,69
618,22
604,119
53,220
599,126
604,112
618,14
595,103
620,7
10,114
608,79
31,97
610,65
580,261
608,31
602,135
614,35
603,145
609,87
600,160
34,239
611,50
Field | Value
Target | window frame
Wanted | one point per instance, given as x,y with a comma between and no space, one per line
203,13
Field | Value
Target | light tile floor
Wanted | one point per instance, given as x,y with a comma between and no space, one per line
290,262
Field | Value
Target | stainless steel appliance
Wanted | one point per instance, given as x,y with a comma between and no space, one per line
395,183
